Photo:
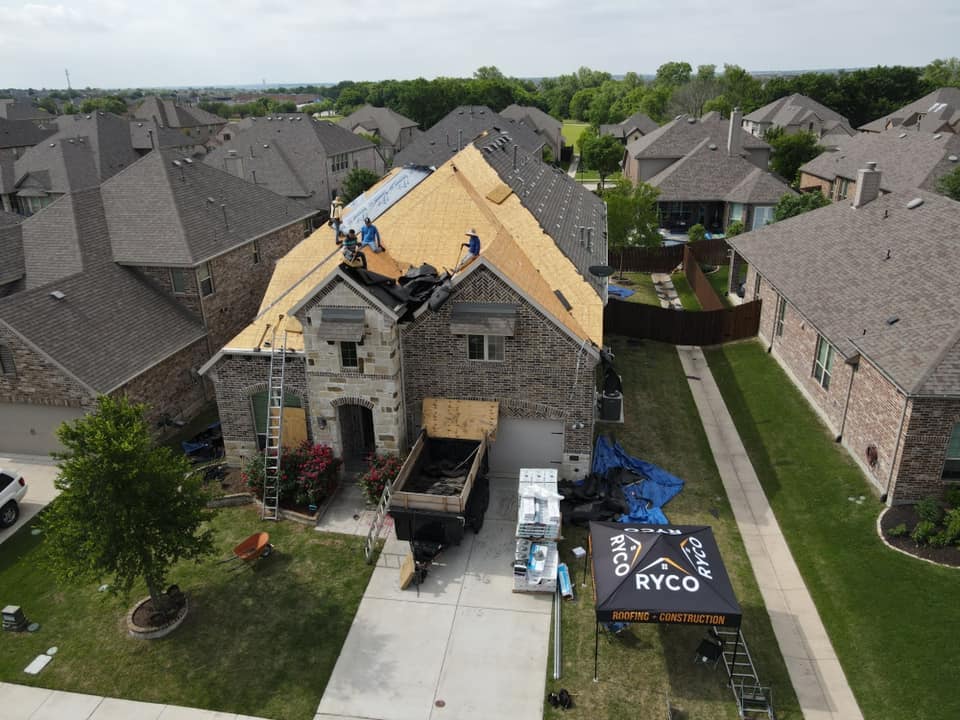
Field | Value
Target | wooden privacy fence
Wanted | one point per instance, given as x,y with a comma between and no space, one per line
681,327
709,300
665,259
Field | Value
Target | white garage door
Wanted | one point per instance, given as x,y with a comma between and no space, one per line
30,429
526,444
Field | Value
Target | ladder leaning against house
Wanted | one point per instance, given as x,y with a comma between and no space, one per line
273,450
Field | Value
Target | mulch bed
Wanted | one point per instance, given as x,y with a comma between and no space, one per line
906,514
233,483
143,615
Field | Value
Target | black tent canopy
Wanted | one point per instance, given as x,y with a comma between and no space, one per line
660,574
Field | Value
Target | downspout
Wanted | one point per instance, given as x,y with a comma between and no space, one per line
896,449
776,312
403,387
846,403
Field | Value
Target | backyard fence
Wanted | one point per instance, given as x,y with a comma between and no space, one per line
681,327
709,300
665,259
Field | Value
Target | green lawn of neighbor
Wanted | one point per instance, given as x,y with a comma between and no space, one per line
646,662
571,132
893,620
718,281
642,286
687,297
260,642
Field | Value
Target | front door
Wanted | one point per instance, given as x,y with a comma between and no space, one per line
356,434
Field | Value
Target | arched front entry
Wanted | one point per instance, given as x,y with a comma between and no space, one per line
356,434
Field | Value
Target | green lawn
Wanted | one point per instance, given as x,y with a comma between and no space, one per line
718,281
642,286
261,643
893,620
685,292
638,668
571,132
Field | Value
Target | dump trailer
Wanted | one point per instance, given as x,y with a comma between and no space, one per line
442,487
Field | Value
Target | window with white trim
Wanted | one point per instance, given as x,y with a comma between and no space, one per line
823,364
205,279
951,464
348,355
485,347
781,312
339,162
843,187
7,365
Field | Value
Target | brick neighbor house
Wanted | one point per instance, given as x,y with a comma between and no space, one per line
16,137
522,325
795,113
127,288
190,121
631,129
393,130
544,125
860,307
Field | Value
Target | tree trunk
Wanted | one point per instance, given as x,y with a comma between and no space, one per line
157,596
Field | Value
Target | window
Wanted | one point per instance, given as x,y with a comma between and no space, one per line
339,162
178,278
823,365
31,205
781,311
205,279
736,212
256,251
259,407
951,466
843,185
756,286
762,215
348,355
485,347
7,365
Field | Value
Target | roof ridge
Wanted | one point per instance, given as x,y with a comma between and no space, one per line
935,363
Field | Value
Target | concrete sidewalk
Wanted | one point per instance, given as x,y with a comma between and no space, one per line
815,671
21,702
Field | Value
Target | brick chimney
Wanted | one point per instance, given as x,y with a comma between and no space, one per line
868,185
734,133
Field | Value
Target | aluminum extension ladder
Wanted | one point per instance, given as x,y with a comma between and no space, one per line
273,450
370,544
753,699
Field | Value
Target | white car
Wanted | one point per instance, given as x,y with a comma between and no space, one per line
12,490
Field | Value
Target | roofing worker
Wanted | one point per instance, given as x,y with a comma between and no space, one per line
351,252
336,215
371,236
473,249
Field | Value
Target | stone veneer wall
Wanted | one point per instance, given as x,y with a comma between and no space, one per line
538,379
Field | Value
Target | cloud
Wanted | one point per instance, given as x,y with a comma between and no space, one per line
54,17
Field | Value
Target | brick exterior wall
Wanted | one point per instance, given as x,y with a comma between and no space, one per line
189,298
808,181
37,380
538,378
931,421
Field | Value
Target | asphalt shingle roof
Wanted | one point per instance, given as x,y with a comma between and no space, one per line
167,210
19,109
387,122
51,243
172,114
23,133
683,134
832,265
11,248
793,109
905,158
162,137
637,121
461,126
534,118
908,114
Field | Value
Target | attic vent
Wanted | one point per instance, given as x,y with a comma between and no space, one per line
902,135
915,203
139,124
53,144
691,120
176,163
188,161
563,301
938,136
57,295
893,320
712,146
952,158
266,145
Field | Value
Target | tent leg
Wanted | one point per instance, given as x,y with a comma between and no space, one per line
596,653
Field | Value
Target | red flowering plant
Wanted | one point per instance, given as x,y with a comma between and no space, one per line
308,474
381,469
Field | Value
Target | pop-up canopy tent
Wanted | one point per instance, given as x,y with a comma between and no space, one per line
659,574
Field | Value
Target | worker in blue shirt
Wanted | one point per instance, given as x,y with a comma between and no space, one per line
472,246
371,236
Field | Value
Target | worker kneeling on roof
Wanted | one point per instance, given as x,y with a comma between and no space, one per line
473,249
351,251
370,236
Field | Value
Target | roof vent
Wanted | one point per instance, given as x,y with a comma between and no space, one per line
53,144
902,135
139,124
893,320
691,120
176,163
57,295
915,203
712,146
266,145
563,301
938,136
952,158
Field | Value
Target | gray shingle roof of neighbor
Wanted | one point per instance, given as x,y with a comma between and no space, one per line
11,248
460,127
637,121
905,158
792,109
85,151
148,135
171,114
288,154
684,133
561,205
533,117
709,173
387,122
168,210
832,264
20,109
23,133
112,323
908,114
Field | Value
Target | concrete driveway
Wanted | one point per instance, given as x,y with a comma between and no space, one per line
467,640
39,472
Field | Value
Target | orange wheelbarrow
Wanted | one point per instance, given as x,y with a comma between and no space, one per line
250,550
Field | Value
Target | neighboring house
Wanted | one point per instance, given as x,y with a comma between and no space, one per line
20,109
906,158
129,287
522,325
459,128
294,155
544,125
861,306
656,151
796,113
189,120
393,130
631,129
937,112
85,151
146,135
16,137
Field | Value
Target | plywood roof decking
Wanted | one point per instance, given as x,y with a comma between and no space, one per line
428,226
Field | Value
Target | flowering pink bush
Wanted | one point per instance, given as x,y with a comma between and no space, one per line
308,474
381,469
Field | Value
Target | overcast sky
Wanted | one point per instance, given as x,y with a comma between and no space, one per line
113,43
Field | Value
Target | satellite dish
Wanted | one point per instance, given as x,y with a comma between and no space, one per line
601,270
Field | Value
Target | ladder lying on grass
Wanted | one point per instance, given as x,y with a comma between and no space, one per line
753,699
273,450
370,544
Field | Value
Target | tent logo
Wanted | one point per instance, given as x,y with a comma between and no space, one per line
664,579
621,546
694,552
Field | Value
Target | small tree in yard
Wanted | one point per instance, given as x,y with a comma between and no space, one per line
127,508
602,154
790,152
358,181
632,219
790,205
696,233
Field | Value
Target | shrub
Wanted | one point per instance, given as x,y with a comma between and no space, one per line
381,469
929,510
898,530
952,497
734,228
308,474
923,532
939,540
951,525
697,232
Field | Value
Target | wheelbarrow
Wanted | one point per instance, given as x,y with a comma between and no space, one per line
249,551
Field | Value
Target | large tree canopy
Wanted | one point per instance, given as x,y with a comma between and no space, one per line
790,151
791,205
632,218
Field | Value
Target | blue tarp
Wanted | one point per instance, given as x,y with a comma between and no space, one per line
618,291
646,497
